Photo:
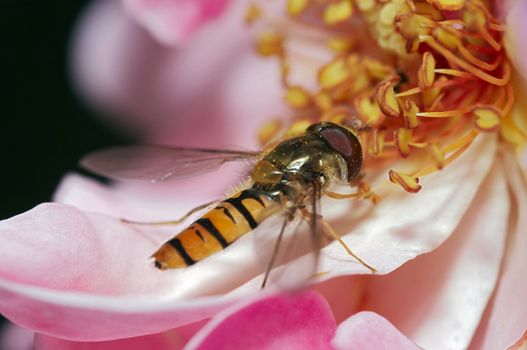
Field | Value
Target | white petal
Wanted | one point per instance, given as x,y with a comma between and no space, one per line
438,299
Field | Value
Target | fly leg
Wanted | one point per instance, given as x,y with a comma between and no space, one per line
269,267
364,192
333,234
170,222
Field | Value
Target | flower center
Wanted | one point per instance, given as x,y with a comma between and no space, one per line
416,79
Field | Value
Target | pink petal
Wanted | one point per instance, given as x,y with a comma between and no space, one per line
83,276
216,80
368,330
172,22
170,340
13,337
161,341
296,321
521,344
505,318
515,35
438,299
343,304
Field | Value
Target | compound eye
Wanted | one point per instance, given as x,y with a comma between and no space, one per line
338,140
347,145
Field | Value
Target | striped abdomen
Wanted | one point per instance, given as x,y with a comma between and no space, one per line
218,228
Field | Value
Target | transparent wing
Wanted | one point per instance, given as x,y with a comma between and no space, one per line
159,163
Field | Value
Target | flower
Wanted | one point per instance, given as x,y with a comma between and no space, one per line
72,272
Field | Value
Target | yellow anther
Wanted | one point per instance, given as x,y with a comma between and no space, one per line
474,18
333,73
449,5
377,69
252,14
323,101
296,7
387,100
426,73
270,43
447,37
412,27
368,110
488,118
341,44
365,5
410,114
410,184
388,12
338,12
269,130
437,155
298,128
297,97
337,115
402,138
427,10
461,85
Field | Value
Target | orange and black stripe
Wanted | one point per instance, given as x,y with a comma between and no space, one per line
218,228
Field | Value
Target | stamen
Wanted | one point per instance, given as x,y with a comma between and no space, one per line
333,74
426,73
488,118
296,7
402,138
454,72
387,99
434,77
444,114
437,155
449,5
458,147
409,183
477,62
338,12
377,142
252,14
297,97
270,43
510,100
482,75
410,114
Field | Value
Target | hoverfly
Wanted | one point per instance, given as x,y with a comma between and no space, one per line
289,179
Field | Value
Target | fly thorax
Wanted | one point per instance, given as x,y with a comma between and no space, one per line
266,173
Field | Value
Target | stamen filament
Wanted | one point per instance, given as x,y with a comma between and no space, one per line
490,39
465,141
496,26
444,114
510,100
409,92
454,72
477,62
454,59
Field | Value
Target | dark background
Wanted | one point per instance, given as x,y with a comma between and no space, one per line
45,126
